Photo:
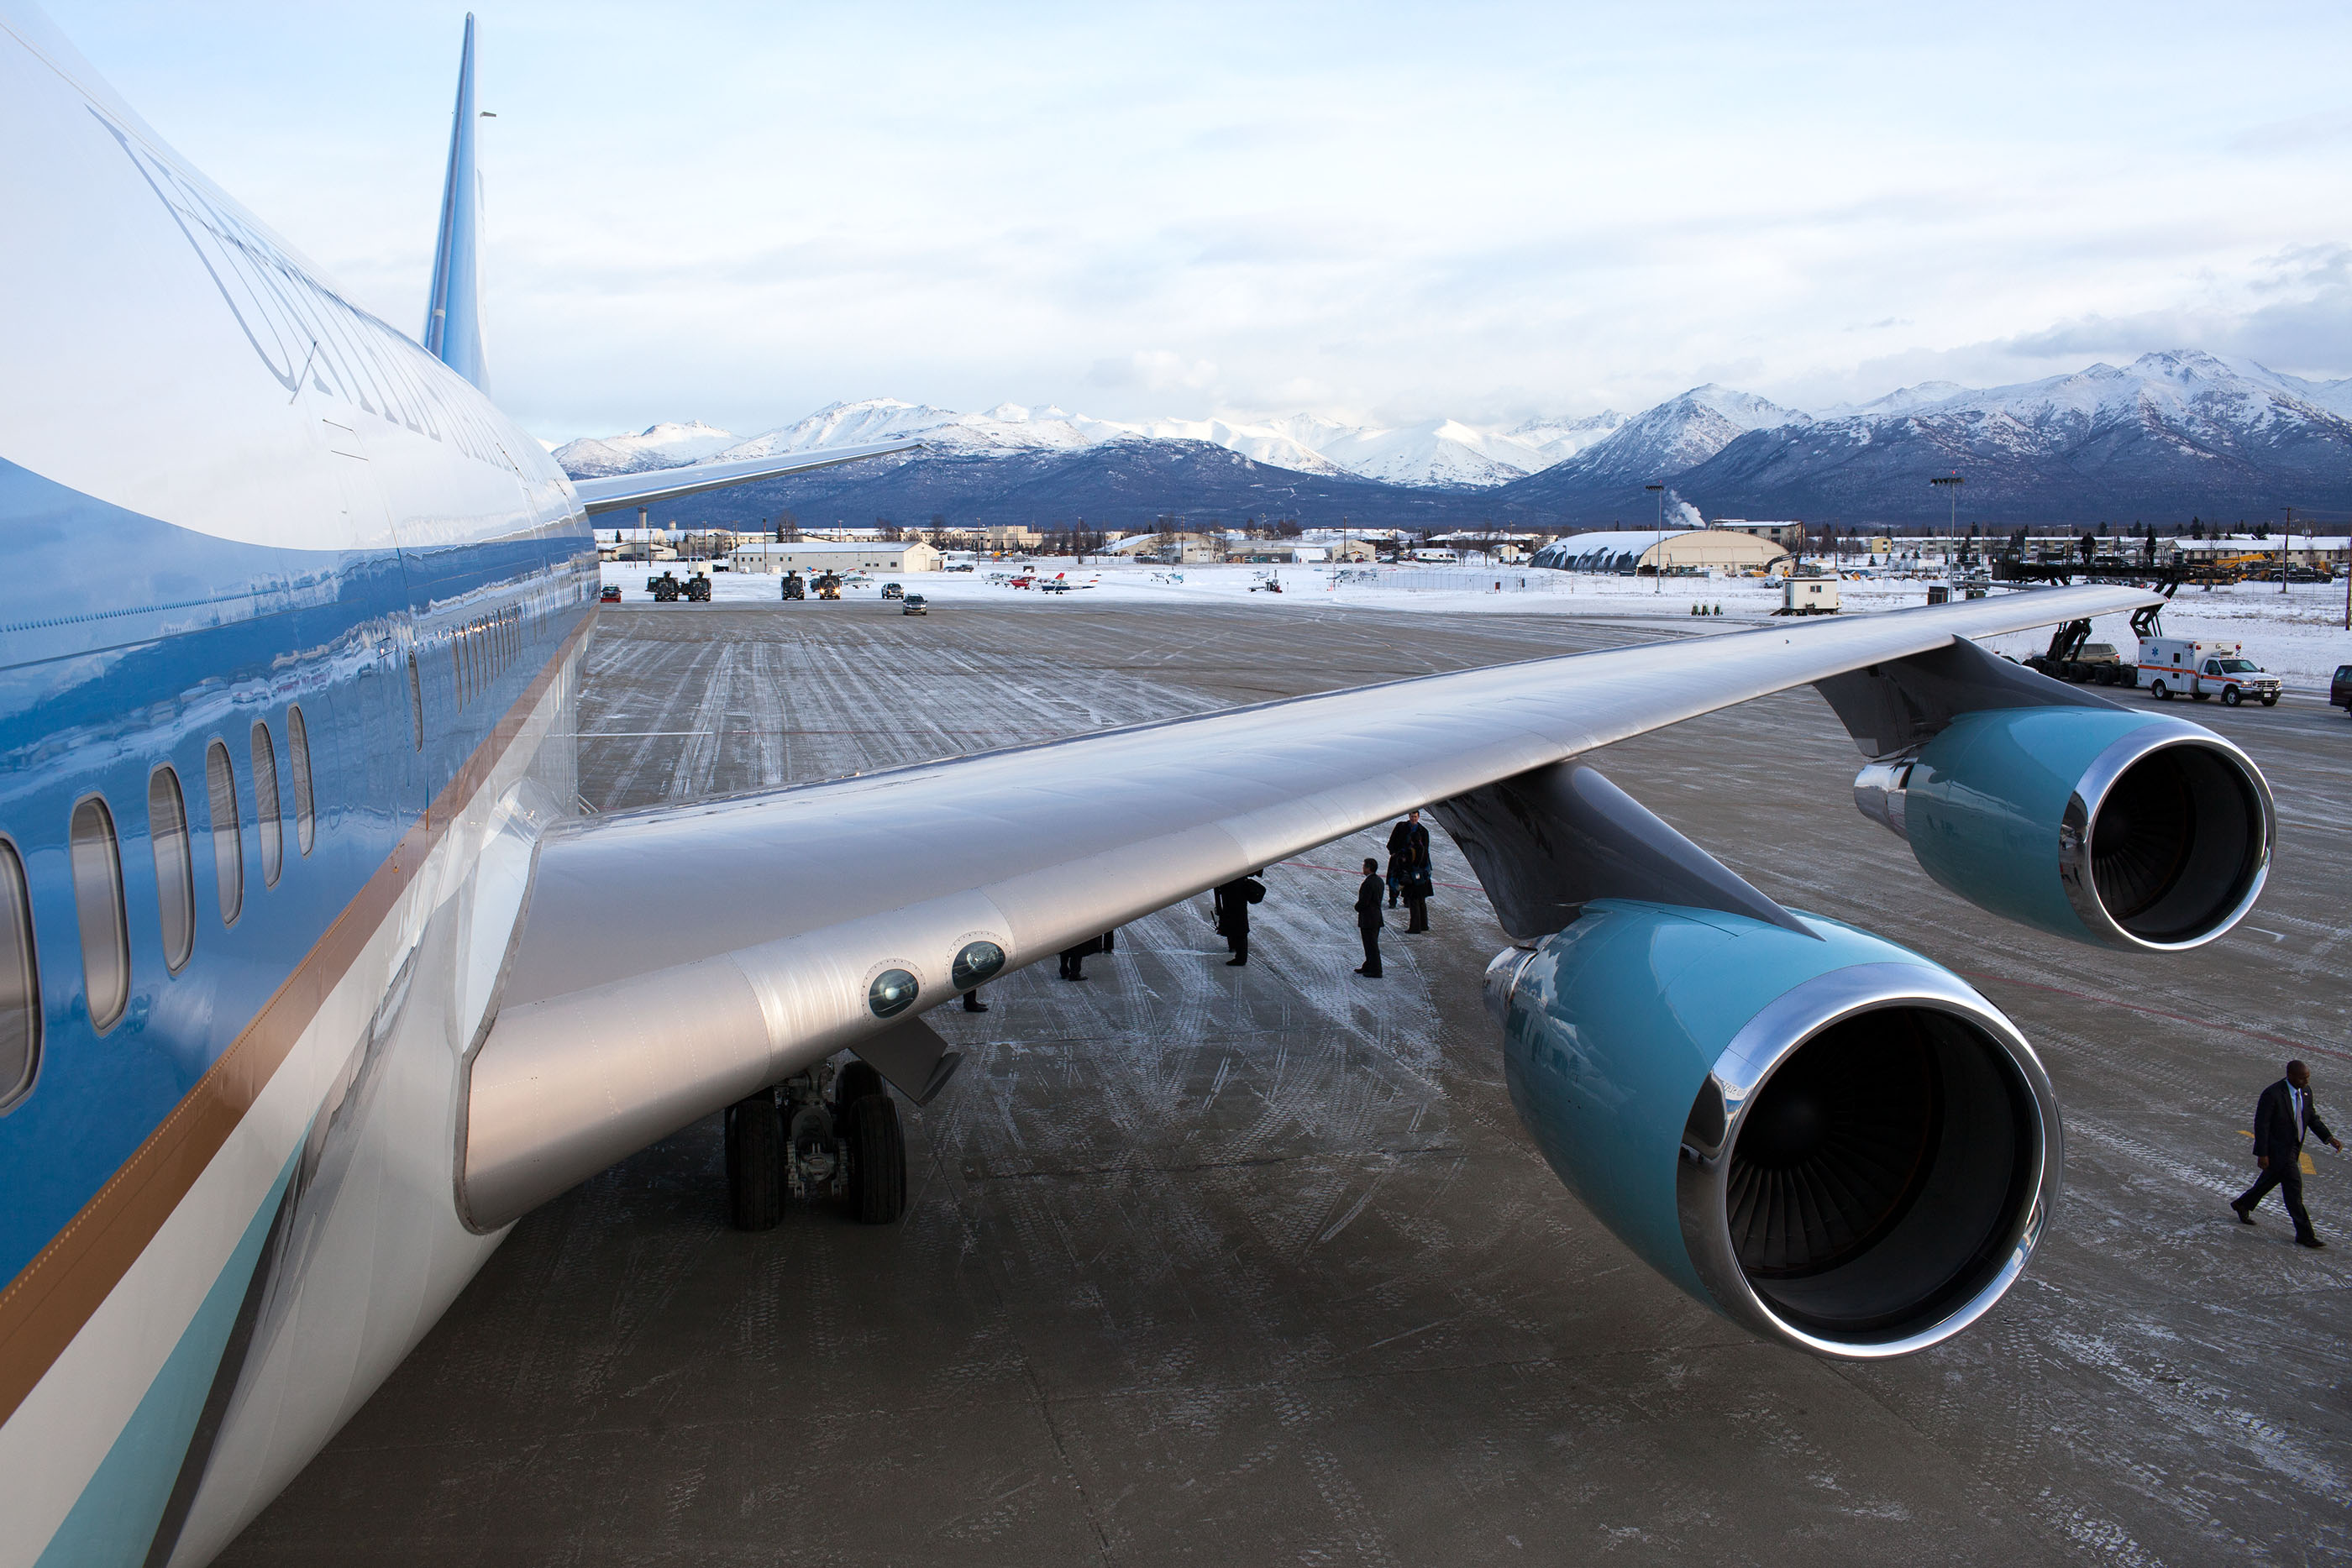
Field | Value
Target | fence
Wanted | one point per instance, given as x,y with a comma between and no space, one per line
1454,579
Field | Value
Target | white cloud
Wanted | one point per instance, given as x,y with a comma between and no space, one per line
738,213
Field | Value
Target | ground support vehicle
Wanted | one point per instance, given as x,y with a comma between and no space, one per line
2072,657
1804,593
697,588
915,604
611,595
2204,668
665,587
827,585
794,587
796,1141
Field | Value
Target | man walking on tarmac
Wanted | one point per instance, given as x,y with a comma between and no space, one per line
2281,1116
1367,918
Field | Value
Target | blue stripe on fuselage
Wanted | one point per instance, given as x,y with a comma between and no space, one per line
115,1520
129,642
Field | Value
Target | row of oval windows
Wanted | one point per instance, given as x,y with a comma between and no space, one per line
95,856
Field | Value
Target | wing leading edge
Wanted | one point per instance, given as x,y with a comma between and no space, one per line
676,959
623,490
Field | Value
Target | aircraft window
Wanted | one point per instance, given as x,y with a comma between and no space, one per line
98,908
298,752
176,873
229,845
20,985
265,800
416,701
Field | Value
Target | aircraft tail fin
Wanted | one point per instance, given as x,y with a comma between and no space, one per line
453,322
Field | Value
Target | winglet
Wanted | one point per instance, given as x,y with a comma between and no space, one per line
453,323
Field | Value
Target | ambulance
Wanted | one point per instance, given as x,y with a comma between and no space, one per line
2202,667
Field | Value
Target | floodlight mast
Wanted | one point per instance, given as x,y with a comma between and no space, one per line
1951,483
1658,572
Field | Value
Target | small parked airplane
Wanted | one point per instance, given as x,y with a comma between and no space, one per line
313,978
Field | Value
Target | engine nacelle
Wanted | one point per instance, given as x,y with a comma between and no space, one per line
2124,829
1834,1143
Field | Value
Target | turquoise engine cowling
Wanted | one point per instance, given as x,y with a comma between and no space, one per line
2126,830
1826,1138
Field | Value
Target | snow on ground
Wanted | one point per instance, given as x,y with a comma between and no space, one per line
2297,635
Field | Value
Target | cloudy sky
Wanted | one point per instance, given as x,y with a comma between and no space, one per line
739,213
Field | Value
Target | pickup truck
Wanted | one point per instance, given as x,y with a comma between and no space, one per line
2339,690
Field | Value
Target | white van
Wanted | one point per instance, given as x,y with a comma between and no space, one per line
2201,668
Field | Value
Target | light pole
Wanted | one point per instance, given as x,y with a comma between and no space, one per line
2286,540
1951,483
1658,572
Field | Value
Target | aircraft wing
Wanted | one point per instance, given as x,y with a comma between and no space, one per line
623,490
675,960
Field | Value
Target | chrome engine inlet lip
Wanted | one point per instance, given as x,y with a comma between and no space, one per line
1703,1173
2083,813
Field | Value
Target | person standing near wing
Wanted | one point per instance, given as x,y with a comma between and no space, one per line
1232,901
1408,867
1367,918
1399,835
1074,959
2281,1116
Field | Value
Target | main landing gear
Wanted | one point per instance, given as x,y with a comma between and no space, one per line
796,1141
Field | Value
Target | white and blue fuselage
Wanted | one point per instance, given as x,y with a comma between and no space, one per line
288,665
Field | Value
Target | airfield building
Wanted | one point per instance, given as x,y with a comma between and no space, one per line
1646,551
822,555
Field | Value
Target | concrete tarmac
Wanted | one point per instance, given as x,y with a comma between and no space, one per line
1257,1266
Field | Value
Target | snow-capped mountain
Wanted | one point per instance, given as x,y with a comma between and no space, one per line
1557,440
1680,432
1902,400
2174,432
1436,453
657,447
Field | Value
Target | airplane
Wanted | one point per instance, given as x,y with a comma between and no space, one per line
315,976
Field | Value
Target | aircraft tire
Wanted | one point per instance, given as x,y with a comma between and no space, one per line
755,1172
852,1083
877,1161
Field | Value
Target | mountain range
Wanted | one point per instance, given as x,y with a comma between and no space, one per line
2172,434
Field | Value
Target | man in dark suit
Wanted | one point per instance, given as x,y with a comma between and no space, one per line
2281,1116
1367,918
1409,868
1400,835
1233,901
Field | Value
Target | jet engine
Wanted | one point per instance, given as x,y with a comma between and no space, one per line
2103,826
1826,1138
